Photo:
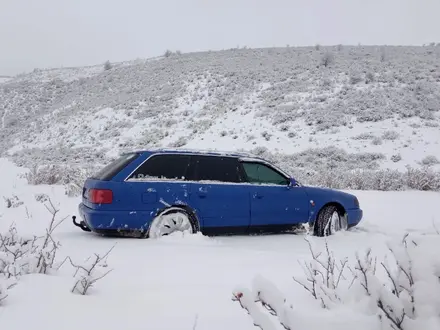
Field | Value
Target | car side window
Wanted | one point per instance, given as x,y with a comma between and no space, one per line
164,167
216,168
263,174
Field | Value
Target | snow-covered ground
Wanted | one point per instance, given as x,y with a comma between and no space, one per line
179,281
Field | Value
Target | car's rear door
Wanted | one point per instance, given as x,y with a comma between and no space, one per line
273,200
151,183
217,194
159,182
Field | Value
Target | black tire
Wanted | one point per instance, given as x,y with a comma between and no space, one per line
323,226
176,210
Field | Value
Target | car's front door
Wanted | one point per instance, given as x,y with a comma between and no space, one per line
217,196
273,200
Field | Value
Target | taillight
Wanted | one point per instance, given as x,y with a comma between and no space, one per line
101,196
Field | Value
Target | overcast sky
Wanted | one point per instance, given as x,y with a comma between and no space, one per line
54,33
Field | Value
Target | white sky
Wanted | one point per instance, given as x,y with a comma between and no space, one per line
54,33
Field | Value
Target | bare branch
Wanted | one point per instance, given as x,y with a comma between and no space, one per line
261,321
393,282
88,277
396,322
341,271
270,308
435,227
195,322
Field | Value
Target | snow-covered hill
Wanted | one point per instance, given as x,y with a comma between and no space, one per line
319,111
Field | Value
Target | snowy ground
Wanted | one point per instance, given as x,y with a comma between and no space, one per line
174,282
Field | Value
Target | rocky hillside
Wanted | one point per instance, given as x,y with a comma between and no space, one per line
318,111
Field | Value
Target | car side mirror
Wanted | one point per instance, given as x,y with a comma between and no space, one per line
292,182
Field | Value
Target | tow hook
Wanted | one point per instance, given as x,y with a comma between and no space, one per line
80,224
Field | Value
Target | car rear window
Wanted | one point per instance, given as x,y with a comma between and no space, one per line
109,171
166,166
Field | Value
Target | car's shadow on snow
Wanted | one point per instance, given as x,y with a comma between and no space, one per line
211,234
220,235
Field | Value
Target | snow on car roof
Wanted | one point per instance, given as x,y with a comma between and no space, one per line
201,151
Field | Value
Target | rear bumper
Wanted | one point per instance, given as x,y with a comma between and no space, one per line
354,216
114,222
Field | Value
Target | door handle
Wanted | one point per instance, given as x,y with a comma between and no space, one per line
258,196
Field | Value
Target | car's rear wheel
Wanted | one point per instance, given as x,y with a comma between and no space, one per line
329,221
172,220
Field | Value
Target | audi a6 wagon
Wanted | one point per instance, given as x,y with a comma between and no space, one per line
152,193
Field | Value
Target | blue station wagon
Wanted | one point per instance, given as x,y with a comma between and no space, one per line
158,192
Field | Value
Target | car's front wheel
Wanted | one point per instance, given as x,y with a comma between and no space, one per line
329,221
172,220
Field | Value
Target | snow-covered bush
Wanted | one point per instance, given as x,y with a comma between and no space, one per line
383,54
44,175
42,198
323,275
200,126
355,77
72,177
335,168
396,158
26,255
429,123
363,136
376,141
385,180
21,256
89,272
180,142
327,59
369,77
390,135
12,202
401,292
430,160
107,65
422,179
3,290
15,252
72,189
5,285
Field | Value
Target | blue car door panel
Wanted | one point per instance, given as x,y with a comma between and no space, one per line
277,205
274,201
221,205
216,193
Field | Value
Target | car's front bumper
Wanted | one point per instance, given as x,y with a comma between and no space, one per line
354,216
